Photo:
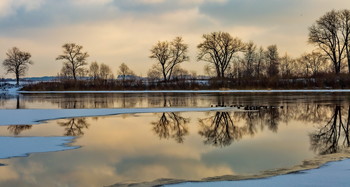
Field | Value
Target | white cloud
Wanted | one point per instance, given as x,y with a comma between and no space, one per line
115,31
91,2
9,7
150,1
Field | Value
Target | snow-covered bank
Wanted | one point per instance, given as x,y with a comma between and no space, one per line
9,88
198,91
331,174
34,116
22,146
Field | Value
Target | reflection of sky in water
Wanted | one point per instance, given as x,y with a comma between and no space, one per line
125,149
145,147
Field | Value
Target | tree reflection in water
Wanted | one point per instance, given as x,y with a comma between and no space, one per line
333,136
74,126
220,130
171,125
17,129
69,101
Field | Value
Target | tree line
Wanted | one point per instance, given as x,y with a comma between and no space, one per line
228,59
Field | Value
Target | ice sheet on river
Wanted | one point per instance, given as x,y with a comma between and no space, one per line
35,116
22,146
331,174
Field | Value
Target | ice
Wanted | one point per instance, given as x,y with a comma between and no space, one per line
22,146
35,116
331,174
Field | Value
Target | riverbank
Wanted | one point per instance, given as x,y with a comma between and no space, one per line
195,91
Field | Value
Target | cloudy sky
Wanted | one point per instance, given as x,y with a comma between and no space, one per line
117,31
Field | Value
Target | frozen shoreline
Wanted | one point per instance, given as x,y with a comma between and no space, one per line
36,116
324,170
28,145
196,91
331,174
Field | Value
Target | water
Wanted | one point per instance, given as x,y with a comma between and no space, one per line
188,145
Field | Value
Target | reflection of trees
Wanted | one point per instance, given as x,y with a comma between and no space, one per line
272,118
171,125
69,101
172,100
17,129
333,136
127,101
220,130
3,99
6,97
223,128
74,126
307,112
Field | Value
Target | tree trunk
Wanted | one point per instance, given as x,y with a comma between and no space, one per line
348,63
17,79
347,51
222,73
75,78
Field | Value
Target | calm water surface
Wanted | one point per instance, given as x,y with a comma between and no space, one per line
188,145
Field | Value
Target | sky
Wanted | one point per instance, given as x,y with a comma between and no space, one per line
124,31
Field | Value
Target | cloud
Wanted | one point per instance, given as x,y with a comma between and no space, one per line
115,31
91,2
9,7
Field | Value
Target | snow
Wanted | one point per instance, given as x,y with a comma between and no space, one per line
9,89
13,91
331,174
22,146
35,116
197,91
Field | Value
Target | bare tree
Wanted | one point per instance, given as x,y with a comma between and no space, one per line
94,70
105,72
272,60
260,62
345,30
313,63
65,73
208,69
169,54
124,70
331,35
219,48
155,72
249,59
180,73
287,66
17,62
73,58
82,72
